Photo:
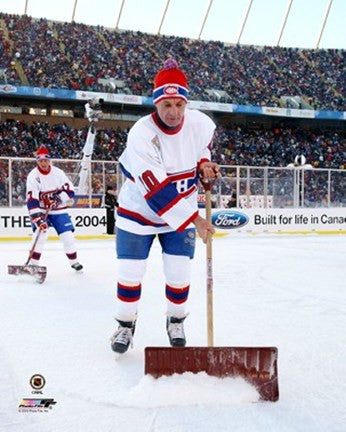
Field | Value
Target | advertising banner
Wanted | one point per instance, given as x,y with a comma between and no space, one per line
83,201
280,220
88,222
91,222
39,92
210,106
128,99
110,97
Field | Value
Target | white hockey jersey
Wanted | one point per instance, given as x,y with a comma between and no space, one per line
40,184
161,166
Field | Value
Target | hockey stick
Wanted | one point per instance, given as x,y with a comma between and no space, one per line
39,272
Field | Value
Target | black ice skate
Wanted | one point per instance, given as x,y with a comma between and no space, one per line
175,331
77,266
122,338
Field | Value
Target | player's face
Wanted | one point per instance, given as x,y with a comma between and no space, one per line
44,164
171,111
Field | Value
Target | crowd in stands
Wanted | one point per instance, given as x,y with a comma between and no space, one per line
76,56
235,145
18,139
278,146
8,72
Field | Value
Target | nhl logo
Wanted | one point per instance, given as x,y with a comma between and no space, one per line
37,382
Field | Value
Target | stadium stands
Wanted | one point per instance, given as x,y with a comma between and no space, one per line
78,56
236,145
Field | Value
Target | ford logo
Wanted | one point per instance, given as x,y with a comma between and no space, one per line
229,219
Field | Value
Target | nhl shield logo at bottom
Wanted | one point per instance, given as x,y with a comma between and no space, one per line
36,404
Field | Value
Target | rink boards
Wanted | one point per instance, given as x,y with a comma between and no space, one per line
91,223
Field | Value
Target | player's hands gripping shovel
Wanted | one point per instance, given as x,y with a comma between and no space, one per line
257,365
38,272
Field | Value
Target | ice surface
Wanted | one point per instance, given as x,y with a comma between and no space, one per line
284,291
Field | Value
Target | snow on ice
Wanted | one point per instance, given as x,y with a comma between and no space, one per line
284,291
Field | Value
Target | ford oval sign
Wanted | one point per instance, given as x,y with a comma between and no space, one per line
229,219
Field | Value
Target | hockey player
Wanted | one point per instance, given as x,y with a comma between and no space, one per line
166,153
48,188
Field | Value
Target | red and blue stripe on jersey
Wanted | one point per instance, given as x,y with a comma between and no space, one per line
166,194
136,217
32,204
126,173
163,196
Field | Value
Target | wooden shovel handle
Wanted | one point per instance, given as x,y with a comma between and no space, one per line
36,239
210,320
207,185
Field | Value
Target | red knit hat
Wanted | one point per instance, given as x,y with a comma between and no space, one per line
170,82
42,153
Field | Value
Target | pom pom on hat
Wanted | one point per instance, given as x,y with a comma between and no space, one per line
42,153
170,63
170,82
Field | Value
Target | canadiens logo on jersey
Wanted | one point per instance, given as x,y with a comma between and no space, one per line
185,180
48,194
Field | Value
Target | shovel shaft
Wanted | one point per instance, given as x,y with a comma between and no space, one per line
210,318
36,239
33,247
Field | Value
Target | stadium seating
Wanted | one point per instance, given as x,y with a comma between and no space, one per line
78,56
236,145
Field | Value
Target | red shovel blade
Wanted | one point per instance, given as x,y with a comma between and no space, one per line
258,365
38,272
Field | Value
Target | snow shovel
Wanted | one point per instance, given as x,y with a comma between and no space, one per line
257,365
39,272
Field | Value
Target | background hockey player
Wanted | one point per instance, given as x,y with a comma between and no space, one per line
166,153
48,187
